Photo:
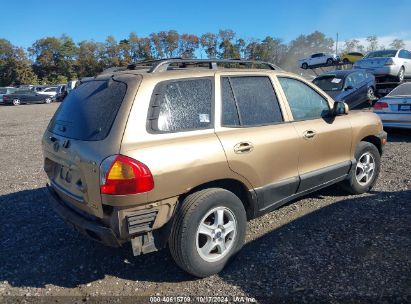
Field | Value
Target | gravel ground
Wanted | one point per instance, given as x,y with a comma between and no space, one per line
326,247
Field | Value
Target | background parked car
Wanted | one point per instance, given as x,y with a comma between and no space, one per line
61,93
6,90
71,85
351,86
317,59
27,96
395,108
50,91
396,63
351,57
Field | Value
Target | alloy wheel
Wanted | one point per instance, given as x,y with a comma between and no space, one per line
364,171
216,234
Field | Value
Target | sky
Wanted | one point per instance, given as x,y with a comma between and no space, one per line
24,21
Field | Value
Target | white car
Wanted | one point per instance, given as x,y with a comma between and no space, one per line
317,59
395,108
395,63
50,91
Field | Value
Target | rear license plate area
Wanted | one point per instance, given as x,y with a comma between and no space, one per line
404,107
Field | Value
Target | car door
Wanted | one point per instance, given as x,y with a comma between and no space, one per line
324,140
314,59
349,90
361,86
258,142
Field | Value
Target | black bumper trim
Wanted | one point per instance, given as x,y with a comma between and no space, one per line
89,228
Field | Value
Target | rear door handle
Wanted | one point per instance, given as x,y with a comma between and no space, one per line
309,134
243,147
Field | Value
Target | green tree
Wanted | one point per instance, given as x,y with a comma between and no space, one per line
157,49
89,62
15,68
187,45
209,42
54,57
226,47
111,56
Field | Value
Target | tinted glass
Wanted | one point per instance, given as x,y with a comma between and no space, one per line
88,112
305,103
359,77
256,100
402,90
3,91
184,105
230,114
329,82
382,53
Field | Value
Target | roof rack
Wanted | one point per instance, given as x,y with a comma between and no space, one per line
161,65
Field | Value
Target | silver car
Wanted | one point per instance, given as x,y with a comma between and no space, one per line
395,63
395,108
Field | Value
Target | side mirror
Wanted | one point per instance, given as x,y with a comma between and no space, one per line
340,108
348,88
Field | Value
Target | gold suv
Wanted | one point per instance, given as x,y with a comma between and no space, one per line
182,152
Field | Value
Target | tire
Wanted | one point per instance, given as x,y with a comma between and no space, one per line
401,75
188,244
330,61
48,100
16,102
357,183
304,66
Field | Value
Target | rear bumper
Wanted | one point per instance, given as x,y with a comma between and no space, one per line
391,70
92,229
395,120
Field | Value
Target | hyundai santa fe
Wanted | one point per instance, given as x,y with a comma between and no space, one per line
181,153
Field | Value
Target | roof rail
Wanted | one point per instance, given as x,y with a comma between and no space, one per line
161,65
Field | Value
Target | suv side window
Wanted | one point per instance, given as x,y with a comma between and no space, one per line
304,101
249,101
182,105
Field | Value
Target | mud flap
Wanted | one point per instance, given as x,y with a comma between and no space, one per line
143,244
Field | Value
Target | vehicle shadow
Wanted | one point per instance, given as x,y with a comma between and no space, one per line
357,246
398,135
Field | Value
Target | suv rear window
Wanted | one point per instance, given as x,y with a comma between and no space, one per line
88,112
182,105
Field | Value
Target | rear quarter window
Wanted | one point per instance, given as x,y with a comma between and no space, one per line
182,105
89,111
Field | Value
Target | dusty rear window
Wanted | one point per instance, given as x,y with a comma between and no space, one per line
88,112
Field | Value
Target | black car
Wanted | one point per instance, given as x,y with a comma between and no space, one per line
61,93
351,86
26,96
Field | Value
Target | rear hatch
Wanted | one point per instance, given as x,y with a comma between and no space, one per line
87,127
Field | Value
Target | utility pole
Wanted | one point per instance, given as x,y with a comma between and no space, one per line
336,46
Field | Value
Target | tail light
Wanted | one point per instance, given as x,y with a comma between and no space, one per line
379,105
389,61
120,175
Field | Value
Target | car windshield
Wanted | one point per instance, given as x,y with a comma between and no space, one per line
382,53
3,91
329,82
401,90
